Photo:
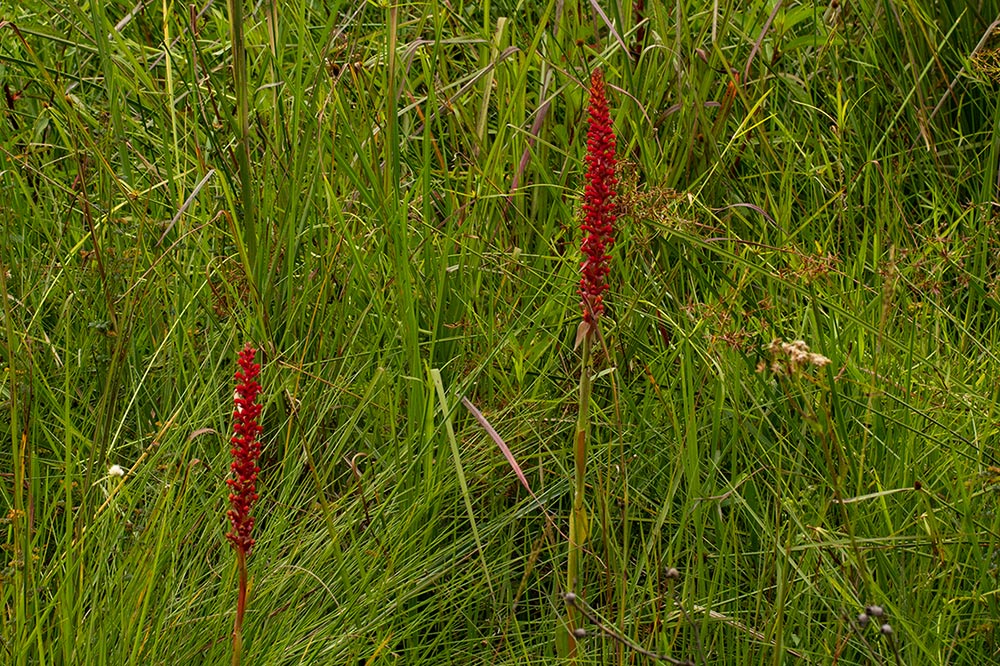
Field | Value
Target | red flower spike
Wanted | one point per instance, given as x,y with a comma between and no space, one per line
245,451
598,225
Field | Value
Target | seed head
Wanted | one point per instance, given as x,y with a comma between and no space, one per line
875,611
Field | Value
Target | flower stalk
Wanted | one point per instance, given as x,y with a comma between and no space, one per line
578,518
243,482
598,228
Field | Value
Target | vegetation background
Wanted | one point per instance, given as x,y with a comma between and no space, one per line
385,200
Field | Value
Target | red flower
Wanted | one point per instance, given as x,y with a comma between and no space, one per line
245,451
598,202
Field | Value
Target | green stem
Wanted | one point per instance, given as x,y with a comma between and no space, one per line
241,606
578,519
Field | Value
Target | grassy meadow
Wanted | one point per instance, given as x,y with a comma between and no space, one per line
385,199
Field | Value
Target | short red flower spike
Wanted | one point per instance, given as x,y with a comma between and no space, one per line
598,202
245,451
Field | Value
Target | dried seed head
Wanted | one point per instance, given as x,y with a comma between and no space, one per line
569,597
788,358
863,619
673,574
886,629
580,632
875,611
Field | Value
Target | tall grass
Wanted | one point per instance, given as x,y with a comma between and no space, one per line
393,221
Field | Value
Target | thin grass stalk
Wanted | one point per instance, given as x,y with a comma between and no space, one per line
19,453
398,224
243,129
102,37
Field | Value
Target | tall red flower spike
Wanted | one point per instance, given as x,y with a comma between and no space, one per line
598,202
245,451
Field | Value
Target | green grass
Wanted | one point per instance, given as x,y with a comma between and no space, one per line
393,220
